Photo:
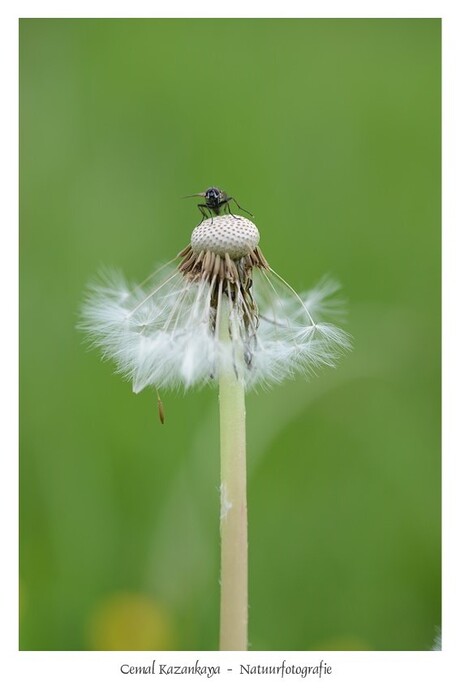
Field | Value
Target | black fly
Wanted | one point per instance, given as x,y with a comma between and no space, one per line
216,200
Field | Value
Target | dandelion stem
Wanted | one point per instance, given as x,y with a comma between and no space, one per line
233,515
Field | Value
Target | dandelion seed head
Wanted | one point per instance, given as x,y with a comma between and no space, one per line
166,332
232,235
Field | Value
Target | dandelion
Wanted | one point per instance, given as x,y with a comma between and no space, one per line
221,315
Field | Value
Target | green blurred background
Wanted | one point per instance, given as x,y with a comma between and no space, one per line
329,131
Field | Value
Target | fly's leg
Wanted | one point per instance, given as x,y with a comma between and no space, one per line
232,198
227,206
204,212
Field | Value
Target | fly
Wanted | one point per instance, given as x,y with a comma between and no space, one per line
216,201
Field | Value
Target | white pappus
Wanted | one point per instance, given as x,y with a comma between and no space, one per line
166,331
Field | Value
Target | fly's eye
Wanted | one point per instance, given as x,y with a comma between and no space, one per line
212,193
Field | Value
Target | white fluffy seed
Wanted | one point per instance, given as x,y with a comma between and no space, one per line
235,236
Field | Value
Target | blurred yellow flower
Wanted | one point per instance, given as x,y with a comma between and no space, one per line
344,643
129,621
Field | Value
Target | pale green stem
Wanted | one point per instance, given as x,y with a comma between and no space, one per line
233,515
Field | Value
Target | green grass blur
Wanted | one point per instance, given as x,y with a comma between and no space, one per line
329,131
